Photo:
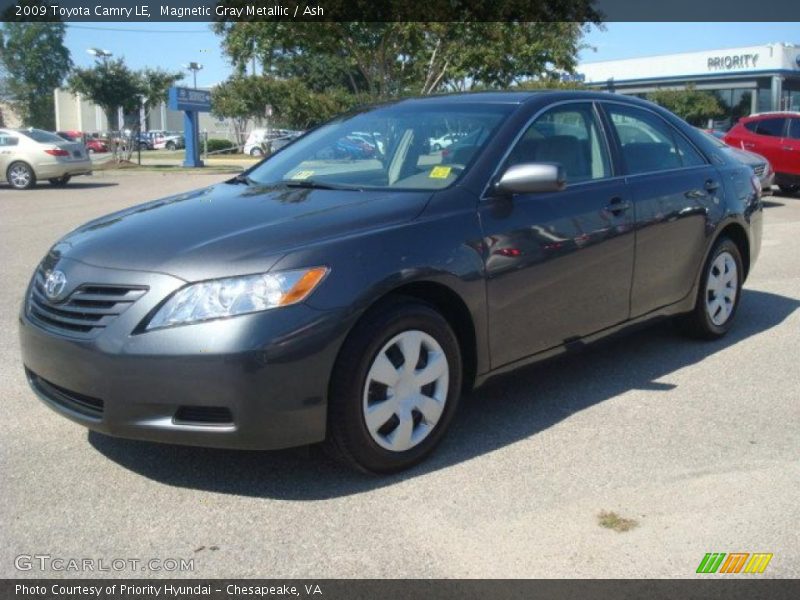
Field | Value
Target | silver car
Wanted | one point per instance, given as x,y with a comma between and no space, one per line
760,165
29,155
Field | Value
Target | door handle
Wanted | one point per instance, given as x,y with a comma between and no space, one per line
748,145
787,148
711,185
617,206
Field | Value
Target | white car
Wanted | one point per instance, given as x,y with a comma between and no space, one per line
28,155
442,142
254,146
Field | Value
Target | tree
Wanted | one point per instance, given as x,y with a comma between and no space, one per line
110,85
695,106
155,84
385,59
35,61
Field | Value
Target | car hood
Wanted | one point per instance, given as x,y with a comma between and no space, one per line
231,228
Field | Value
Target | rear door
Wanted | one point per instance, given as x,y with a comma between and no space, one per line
791,147
768,141
672,184
8,147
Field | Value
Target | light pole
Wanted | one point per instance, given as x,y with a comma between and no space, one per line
103,55
194,67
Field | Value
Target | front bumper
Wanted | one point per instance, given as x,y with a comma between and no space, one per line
255,381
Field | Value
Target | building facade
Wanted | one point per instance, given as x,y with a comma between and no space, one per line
745,80
75,113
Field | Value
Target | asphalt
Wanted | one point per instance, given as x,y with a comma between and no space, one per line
697,442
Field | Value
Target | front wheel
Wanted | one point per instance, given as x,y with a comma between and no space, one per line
720,290
394,389
20,176
171,146
60,181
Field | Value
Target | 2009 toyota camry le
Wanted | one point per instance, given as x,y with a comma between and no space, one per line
349,288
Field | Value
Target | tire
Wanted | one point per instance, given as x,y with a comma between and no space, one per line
171,146
143,146
436,147
256,152
789,190
60,181
719,293
20,176
90,150
410,417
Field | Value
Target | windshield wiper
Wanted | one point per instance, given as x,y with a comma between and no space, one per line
317,185
241,178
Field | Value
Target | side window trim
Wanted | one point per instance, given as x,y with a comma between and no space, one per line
671,128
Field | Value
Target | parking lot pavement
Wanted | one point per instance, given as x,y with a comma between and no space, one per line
697,442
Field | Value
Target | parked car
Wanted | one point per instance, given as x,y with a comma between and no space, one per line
28,155
168,140
256,143
443,141
91,144
145,141
776,136
759,164
352,302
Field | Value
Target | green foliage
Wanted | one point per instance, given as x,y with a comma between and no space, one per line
109,84
695,106
397,58
221,146
155,83
35,62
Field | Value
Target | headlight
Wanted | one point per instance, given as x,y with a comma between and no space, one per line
236,296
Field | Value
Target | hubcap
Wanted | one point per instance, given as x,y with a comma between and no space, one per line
723,283
406,390
20,176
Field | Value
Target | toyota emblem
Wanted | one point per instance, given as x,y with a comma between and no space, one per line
54,284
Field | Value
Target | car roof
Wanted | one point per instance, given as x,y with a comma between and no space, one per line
774,113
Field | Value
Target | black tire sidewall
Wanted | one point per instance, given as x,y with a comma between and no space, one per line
701,314
346,418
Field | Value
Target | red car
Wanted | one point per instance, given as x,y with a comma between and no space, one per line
776,136
92,144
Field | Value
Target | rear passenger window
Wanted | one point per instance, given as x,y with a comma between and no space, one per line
648,143
794,129
8,140
770,127
570,136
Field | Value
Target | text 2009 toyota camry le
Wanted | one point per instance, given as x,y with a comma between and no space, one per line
350,287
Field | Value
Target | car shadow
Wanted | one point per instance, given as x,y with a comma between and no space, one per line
505,410
81,185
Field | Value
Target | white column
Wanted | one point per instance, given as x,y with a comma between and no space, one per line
55,104
120,119
79,106
163,116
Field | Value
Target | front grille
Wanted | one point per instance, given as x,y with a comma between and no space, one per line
203,415
87,310
759,169
86,406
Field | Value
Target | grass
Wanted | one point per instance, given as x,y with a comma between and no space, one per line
611,520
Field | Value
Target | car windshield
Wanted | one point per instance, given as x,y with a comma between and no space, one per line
392,147
43,137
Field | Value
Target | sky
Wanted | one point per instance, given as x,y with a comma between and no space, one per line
172,45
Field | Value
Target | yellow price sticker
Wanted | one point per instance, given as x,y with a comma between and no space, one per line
302,175
440,172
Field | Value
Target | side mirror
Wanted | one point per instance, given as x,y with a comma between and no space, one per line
532,178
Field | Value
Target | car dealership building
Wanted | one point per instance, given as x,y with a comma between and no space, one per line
745,80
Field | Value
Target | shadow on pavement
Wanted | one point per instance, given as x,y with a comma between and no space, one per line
502,412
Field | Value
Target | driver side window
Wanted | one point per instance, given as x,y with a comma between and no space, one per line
567,135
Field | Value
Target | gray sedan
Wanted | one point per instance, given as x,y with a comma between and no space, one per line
759,164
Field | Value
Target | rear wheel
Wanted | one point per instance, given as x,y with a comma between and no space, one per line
60,181
256,152
720,290
171,146
394,389
20,176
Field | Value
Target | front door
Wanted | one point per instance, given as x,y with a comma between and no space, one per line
558,264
